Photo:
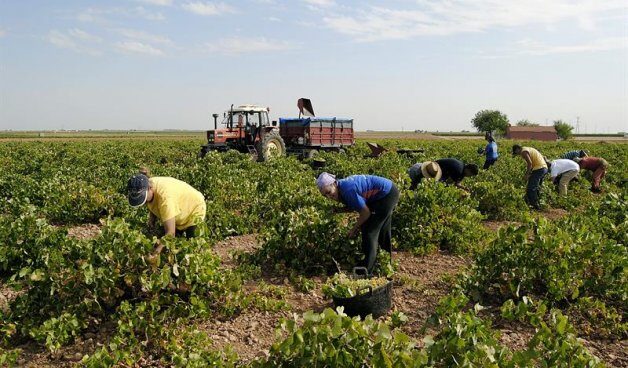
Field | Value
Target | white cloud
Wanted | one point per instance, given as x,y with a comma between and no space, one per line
146,14
61,40
274,19
320,3
143,36
430,17
239,45
532,47
76,40
2,32
138,47
205,8
101,15
89,15
157,2
82,35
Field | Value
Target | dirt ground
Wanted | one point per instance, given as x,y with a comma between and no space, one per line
420,282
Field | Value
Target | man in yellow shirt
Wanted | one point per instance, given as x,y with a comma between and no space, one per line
176,204
535,172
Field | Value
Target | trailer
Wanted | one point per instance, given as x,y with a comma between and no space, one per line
307,136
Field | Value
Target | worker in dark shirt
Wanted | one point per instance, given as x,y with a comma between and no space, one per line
574,154
448,170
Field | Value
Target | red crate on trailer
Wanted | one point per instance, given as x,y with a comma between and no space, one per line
317,132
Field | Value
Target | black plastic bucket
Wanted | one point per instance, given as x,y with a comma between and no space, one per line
376,302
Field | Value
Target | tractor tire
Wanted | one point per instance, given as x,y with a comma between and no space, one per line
271,146
202,153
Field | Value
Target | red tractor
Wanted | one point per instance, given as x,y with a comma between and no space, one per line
249,130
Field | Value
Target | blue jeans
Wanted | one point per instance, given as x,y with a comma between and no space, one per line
489,162
533,190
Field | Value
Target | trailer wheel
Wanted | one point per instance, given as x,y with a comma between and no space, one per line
271,146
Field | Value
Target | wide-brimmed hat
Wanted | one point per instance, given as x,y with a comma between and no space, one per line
137,189
431,170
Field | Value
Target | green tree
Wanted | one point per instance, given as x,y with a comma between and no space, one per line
526,122
490,121
564,130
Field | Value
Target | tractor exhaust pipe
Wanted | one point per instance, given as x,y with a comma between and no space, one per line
215,121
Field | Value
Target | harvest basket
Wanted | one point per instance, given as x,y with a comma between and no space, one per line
376,301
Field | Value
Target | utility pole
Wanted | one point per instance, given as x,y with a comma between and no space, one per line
577,124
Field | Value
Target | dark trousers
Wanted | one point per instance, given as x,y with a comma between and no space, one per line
376,230
489,162
533,189
187,232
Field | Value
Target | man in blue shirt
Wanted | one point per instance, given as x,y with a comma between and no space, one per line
490,151
374,198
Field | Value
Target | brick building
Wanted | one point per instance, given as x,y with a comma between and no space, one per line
537,133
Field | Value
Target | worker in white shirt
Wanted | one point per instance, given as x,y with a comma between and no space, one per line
562,171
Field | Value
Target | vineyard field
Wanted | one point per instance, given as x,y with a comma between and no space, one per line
479,279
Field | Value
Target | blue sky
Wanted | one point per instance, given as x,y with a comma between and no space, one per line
390,65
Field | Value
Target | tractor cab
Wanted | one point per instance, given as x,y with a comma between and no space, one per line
247,129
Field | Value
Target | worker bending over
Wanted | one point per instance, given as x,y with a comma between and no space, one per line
563,171
176,204
446,170
374,198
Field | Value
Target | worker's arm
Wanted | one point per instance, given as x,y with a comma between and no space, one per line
169,227
151,220
365,213
528,160
414,184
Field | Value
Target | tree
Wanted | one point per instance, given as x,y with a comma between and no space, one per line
526,122
564,130
490,121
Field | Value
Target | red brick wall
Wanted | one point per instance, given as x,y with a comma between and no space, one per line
537,136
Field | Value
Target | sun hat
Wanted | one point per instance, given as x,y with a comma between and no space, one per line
428,169
137,189
325,179
431,170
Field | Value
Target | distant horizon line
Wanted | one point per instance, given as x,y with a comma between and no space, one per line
417,131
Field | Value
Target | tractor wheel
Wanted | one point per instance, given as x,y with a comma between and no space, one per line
270,146
202,153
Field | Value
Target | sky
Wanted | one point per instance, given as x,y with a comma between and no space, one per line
389,65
